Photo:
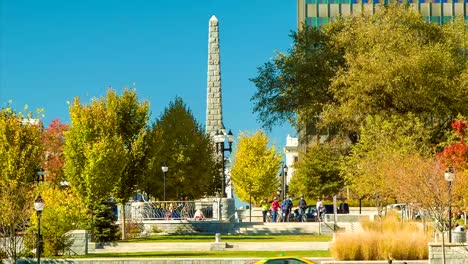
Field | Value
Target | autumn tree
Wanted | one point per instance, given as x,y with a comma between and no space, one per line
64,211
105,150
366,168
455,155
178,140
318,171
419,180
53,159
255,167
20,149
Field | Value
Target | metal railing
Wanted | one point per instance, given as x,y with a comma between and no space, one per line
170,210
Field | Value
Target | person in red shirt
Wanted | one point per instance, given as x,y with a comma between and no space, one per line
274,209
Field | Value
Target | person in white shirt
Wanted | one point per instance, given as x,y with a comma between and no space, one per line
199,215
320,208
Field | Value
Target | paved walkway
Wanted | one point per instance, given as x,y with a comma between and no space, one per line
206,246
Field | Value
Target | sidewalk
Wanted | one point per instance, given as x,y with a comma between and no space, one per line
206,246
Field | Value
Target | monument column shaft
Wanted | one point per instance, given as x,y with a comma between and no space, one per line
214,113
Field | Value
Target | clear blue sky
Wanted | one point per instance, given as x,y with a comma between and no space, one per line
54,50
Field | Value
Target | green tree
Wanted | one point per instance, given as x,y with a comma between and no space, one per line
105,151
318,171
382,77
104,223
178,140
255,167
297,82
335,76
20,152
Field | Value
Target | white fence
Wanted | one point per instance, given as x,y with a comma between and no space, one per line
177,210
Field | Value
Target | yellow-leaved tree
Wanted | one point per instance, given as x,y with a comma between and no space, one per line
255,167
64,211
20,150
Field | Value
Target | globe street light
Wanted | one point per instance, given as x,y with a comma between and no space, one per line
220,139
39,206
40,175
450,177
164,169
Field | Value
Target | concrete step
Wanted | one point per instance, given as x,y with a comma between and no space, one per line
281,228
292,228
205,246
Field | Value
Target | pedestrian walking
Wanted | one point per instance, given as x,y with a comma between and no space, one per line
320,208
265,208
302,206
286,207
274,209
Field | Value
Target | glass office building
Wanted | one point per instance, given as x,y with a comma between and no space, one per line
318,12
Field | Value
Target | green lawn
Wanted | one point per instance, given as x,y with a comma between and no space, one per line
212,254
233,238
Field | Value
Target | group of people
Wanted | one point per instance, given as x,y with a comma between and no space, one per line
267,206
285,209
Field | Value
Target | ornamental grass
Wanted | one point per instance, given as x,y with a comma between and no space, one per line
389,238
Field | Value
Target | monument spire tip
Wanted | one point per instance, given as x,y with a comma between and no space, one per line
213,17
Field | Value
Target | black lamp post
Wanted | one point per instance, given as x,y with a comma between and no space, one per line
284,173
39,206
164,169
220,139
450,177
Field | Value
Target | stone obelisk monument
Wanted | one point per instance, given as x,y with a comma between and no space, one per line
223,208
214,113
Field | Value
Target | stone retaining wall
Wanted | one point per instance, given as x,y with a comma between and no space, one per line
80,242
376,262
187,226
196,261
454,253
143,261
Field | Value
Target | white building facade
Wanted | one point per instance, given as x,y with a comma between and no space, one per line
291,155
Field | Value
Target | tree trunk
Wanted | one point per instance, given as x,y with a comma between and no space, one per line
443,248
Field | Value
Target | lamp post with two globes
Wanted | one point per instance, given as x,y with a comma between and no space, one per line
39,206
450,177
220,139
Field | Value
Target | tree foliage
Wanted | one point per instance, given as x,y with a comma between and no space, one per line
366,168
393,62
178,140
255,167
297,82
53,159
419,180
104,148
382,77
106,228
455,155
63,212
317,174
20,152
